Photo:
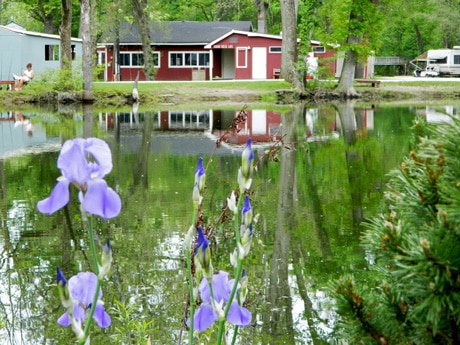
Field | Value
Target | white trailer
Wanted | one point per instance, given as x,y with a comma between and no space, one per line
444,61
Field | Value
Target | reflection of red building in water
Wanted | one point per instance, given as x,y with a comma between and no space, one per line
260,125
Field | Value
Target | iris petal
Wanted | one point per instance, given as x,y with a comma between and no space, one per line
72,162
220,286
101,153
205,293
238,315
78,313
58,198
204,317
102,318
82,287
101,200
64,320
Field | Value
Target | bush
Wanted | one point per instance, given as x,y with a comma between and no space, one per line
411,293
59,80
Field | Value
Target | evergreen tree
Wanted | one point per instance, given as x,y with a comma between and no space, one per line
411,293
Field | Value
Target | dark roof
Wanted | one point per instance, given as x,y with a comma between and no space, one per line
177,32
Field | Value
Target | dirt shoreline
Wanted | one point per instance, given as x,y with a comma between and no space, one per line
190,95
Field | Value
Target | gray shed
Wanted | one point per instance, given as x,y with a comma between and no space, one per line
18,47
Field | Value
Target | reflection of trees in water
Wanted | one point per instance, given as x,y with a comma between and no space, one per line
88,120
348,119
140,171
288,247
290,243
279,318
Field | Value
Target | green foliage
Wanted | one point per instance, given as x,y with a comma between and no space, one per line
59,80
361,19
129,329
40,16
412,293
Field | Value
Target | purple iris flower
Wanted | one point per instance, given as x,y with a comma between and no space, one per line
84,163
247,213
200,174
82,288
202,250
246,160
206,315
247,167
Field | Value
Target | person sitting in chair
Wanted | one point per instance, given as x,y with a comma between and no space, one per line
27,76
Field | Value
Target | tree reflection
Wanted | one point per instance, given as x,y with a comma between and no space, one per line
279,321
88,120
350,130
140,171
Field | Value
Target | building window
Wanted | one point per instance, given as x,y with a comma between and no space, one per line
319,49
276,50
51,52
136,59
74,54
125,59
189,119
188,59
101,58
241,57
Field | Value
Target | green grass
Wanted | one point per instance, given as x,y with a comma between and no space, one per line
260,86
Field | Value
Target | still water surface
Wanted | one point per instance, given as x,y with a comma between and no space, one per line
312,194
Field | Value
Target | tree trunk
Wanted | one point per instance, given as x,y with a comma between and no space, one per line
347,77
49,25
85,31
262,8
289,45
278,321
66,31
141,17
418,35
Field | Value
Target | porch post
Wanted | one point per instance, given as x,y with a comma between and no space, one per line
211,63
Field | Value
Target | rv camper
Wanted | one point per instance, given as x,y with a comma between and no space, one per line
444,61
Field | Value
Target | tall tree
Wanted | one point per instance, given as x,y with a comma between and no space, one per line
85,30
409,29
262,9
66,34
46,12
289,45
355,25
38,15
140,12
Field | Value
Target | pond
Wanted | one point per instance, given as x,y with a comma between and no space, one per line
321,172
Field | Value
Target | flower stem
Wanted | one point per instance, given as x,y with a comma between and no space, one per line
188,254
192,302
238,270
99,281
92,245
235,334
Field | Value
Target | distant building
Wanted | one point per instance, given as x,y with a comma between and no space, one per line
192,51
19,47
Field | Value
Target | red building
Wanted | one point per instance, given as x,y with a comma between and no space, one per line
202,51
192,51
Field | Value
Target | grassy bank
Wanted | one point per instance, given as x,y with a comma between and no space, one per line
117,94
221,93
192,92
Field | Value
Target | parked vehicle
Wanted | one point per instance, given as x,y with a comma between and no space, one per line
429,71
444,61
437,62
